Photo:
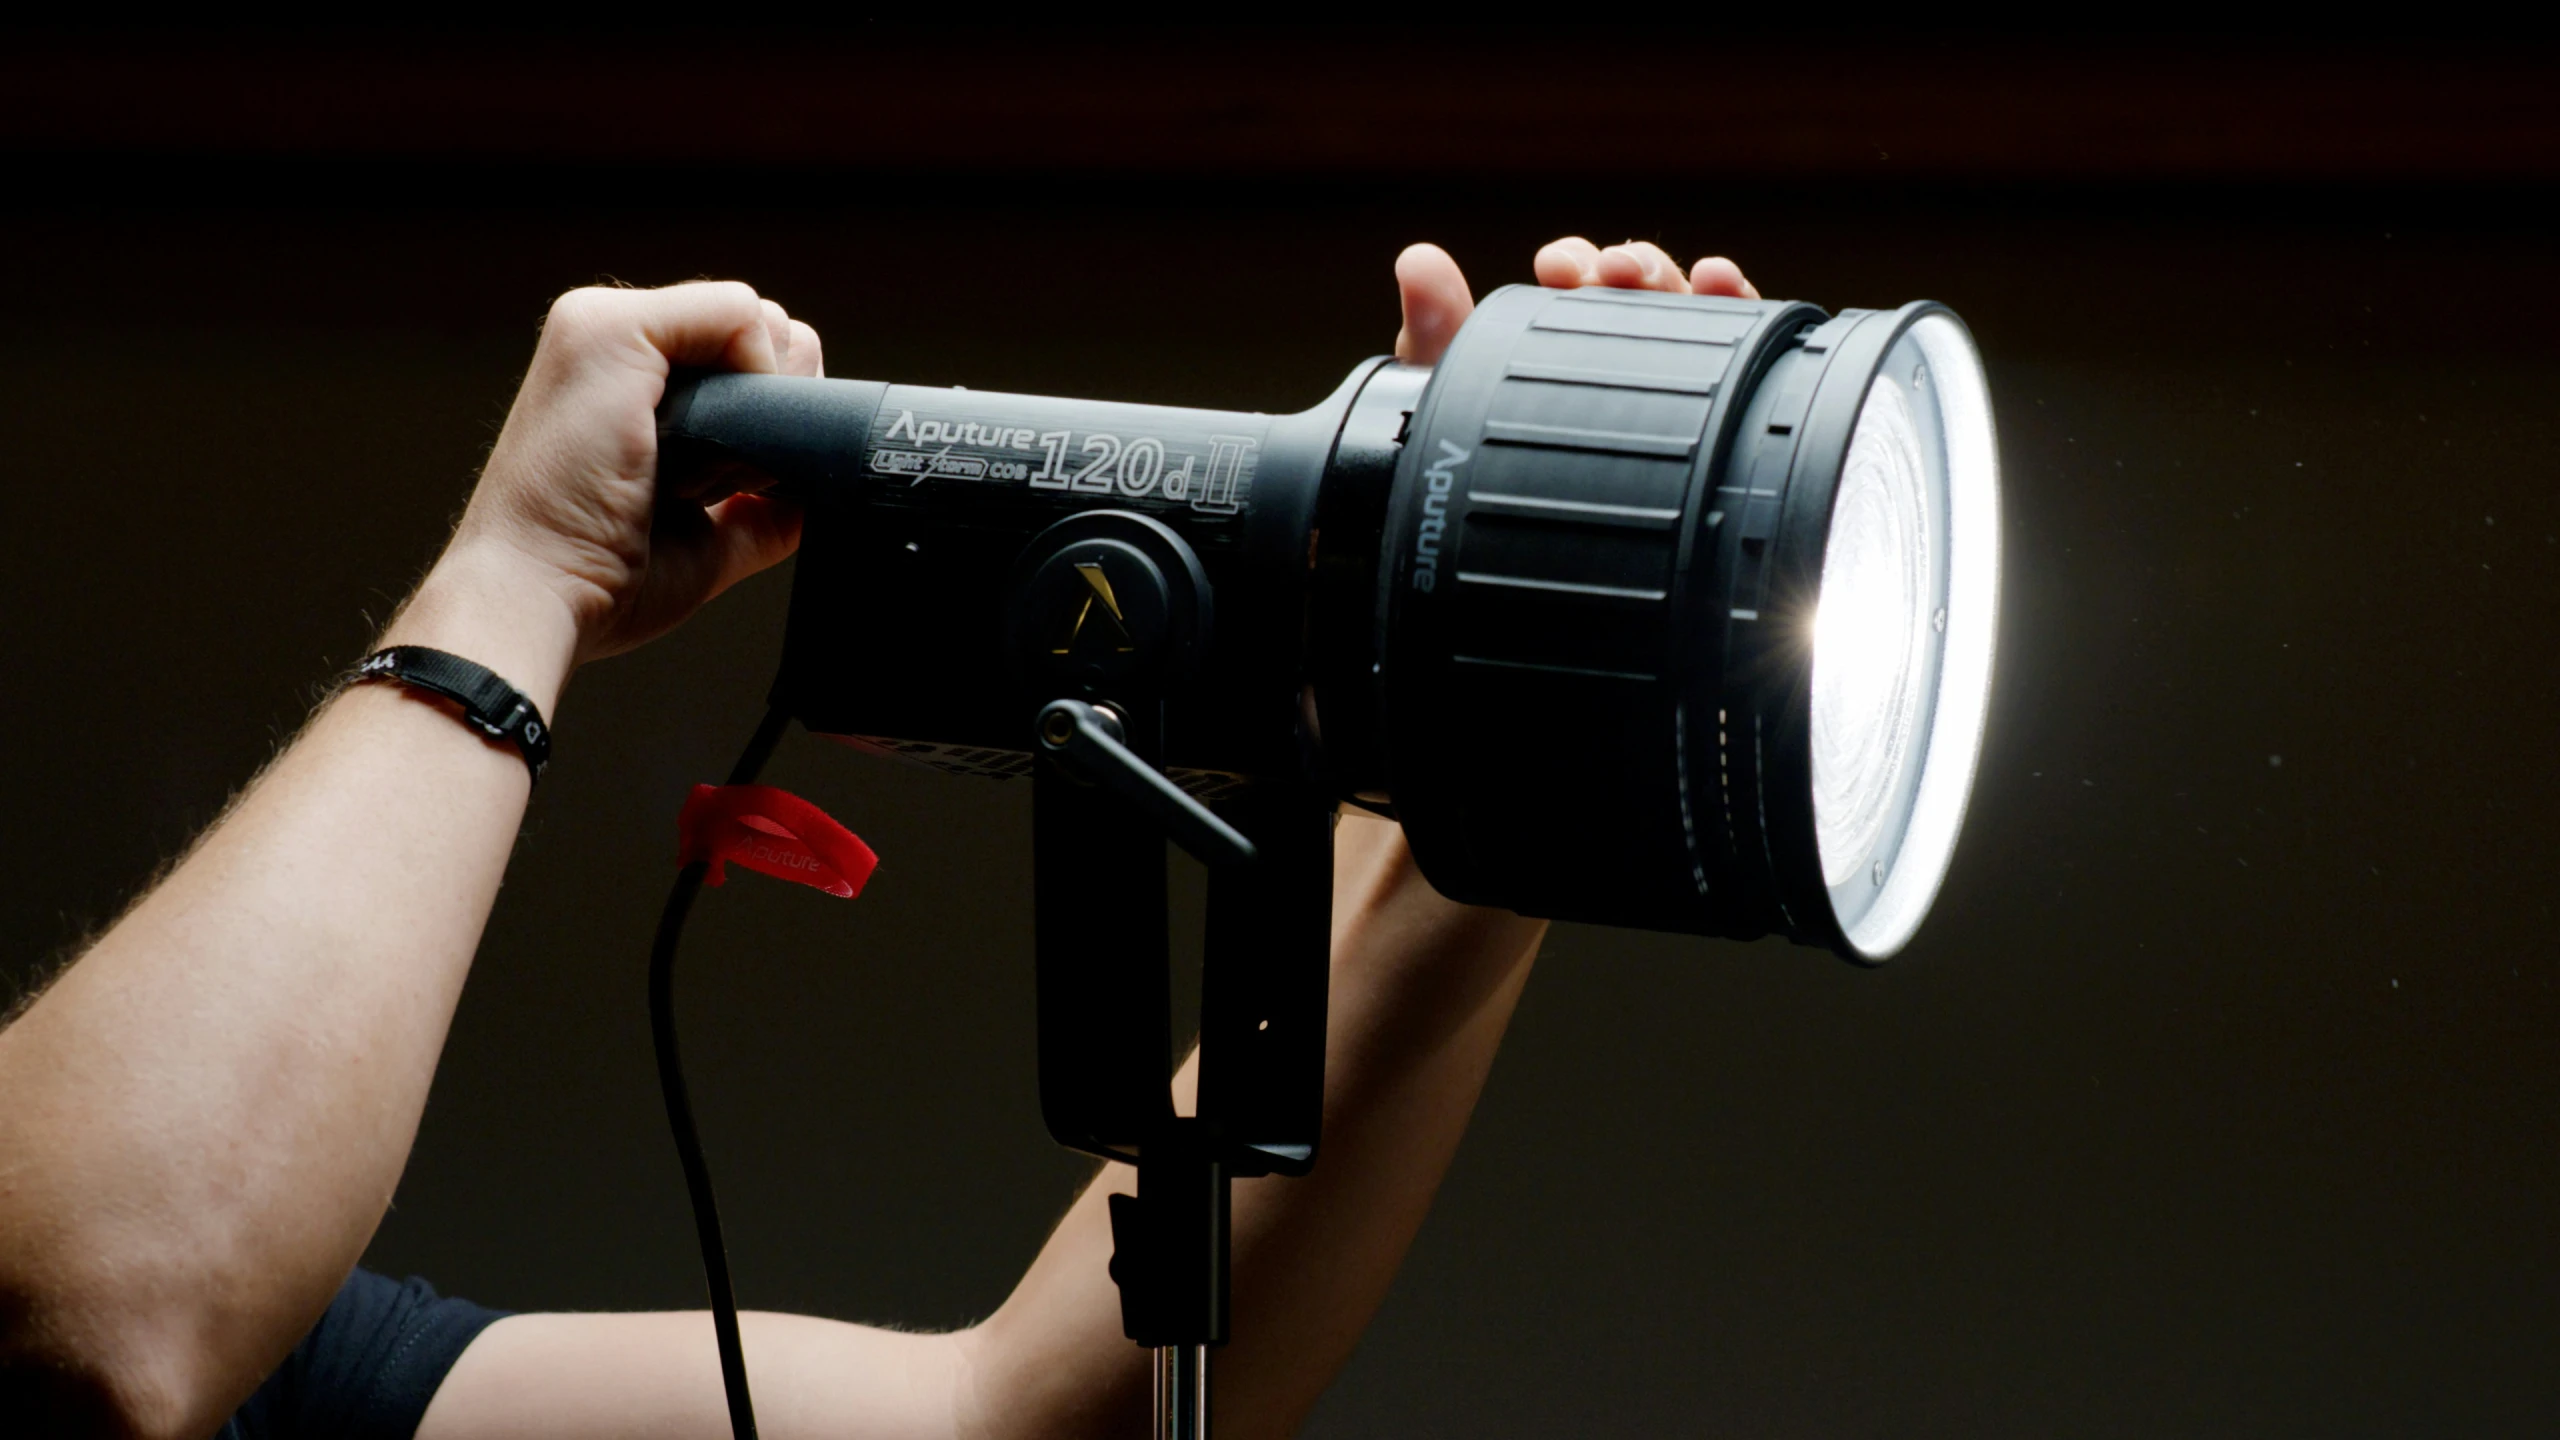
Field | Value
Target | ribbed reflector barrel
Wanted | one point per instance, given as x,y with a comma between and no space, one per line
1551,524
1605,555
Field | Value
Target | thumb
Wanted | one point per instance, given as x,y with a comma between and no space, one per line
1436,303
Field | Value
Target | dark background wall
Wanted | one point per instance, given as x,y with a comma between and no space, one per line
2218,1096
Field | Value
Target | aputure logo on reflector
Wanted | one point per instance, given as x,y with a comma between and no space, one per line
1441,478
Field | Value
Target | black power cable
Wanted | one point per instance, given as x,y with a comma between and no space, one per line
697,1174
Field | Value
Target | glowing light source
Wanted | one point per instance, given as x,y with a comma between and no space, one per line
1904,633
1872,636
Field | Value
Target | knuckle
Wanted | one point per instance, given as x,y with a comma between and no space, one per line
729,293
579,314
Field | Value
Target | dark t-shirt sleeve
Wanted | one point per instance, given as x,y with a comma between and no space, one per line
368,1369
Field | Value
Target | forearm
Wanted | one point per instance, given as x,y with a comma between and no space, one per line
657,1377
1422,991
207,1114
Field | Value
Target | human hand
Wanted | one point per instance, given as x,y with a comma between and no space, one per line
1436,300
565,553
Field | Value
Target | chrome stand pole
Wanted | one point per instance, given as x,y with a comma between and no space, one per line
1182,1392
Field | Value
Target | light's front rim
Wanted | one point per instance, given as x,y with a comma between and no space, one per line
1904,635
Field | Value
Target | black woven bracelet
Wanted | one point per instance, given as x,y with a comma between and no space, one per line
489,705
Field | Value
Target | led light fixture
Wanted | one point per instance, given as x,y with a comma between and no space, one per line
1640,609
1637,609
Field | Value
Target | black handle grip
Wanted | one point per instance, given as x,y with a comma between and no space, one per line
803,434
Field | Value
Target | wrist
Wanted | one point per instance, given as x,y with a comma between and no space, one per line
491,609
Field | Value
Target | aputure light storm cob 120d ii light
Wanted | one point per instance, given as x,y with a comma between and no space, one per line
1639,609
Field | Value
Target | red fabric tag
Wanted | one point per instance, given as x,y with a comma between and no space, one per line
772,832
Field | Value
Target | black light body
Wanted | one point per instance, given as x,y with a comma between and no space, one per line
1638,609
1550,604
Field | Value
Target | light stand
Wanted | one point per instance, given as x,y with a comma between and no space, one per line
1182,1392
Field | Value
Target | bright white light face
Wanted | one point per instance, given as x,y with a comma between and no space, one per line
1872,635
1903,635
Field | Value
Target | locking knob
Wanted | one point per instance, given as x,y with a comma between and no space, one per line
1086,741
